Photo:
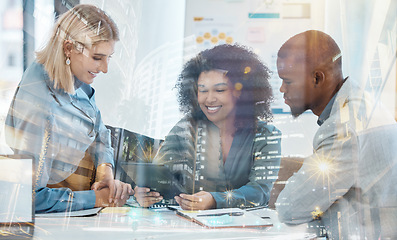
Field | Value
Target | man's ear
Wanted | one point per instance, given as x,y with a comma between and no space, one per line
318,77
67,47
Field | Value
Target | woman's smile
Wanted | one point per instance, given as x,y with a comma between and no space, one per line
215,97
213,109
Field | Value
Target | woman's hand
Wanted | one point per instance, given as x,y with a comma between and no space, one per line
119,192
145,197
102,198
198,201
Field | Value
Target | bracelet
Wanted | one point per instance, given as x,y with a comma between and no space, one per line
107,164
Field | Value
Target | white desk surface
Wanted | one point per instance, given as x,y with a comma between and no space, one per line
140,223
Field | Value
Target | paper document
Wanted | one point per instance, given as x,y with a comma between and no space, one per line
225,218
113,210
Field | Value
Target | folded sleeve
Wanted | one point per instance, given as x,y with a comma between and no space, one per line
63,199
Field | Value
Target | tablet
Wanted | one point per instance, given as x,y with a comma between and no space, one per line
156,177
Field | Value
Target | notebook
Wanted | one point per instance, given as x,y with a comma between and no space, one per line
16,196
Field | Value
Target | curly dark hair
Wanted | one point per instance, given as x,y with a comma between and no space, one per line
243,67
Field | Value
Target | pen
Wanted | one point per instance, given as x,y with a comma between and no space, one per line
221,214
255,208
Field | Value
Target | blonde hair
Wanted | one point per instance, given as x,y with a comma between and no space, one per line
84,25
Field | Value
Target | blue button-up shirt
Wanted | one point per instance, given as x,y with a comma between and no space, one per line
57,129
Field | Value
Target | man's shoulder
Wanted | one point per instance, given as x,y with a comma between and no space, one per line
359,108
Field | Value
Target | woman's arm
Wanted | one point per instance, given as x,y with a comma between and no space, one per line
263,174
32,130
119,191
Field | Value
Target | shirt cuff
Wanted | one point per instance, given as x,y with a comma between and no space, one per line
220,199
84,199
105,157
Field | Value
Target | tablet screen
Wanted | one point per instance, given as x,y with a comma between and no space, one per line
156,177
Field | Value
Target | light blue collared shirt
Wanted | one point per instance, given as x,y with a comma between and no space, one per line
58,129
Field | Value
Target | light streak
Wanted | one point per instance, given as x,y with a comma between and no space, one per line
229,196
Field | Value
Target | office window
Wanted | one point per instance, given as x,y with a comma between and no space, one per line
11,60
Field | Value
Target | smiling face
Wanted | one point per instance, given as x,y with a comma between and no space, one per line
217,97
86,64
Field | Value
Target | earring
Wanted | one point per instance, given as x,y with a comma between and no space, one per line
68,61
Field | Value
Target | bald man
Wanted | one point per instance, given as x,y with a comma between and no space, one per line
350,181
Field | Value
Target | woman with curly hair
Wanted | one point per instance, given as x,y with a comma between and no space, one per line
220,151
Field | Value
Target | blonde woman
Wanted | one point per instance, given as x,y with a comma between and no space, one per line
54,117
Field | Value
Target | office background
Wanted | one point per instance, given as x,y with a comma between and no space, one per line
158,36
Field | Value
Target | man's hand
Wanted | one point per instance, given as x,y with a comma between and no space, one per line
145,197
198,201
